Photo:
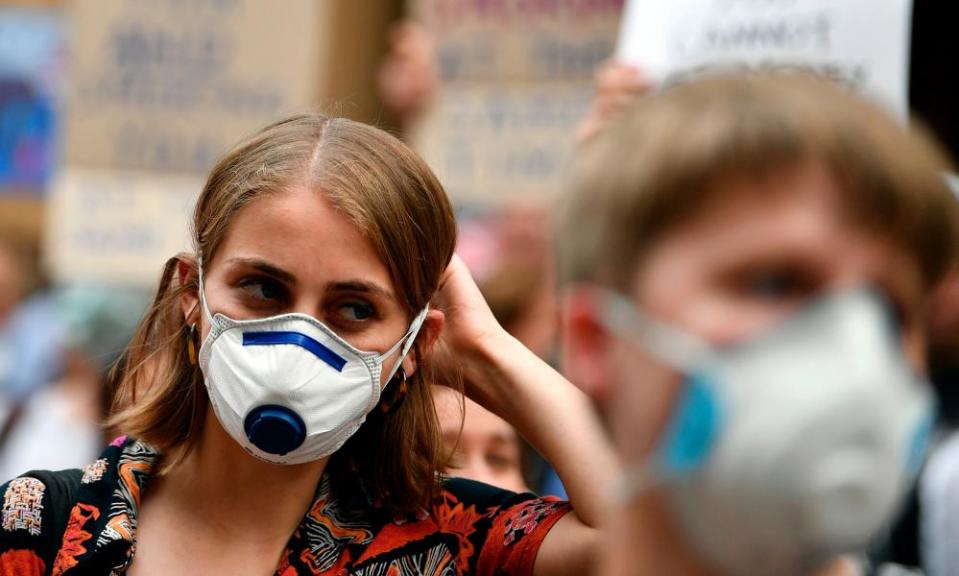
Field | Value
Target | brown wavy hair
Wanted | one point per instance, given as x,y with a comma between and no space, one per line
391,195
665,157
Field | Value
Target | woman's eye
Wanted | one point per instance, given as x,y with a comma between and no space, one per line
356,312
264,289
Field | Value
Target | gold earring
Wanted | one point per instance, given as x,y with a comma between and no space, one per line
398,396
190,344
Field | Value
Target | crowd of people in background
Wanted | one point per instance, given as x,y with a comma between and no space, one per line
752,280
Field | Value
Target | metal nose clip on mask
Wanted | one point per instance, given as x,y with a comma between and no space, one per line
287,388
789,449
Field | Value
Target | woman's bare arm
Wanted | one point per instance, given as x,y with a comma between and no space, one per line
553,415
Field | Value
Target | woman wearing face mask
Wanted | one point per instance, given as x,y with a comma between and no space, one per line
276,396
745,296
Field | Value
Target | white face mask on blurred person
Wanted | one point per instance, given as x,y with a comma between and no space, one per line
783,452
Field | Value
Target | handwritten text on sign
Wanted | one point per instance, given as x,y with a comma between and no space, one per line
863,43
117,226
491,144
170,85
520,40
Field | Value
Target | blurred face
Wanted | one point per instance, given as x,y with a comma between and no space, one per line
488,449
293,252
751,257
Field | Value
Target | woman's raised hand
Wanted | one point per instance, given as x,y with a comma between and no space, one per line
508,379
471,337
469,321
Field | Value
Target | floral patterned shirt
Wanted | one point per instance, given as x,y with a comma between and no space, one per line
471,529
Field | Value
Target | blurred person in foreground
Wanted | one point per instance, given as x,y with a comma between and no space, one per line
745,296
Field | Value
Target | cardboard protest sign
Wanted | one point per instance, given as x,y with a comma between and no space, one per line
170,85
862,43
517,77
493,143
519,40
111,226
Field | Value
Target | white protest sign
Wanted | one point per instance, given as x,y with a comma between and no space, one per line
117,227
863,43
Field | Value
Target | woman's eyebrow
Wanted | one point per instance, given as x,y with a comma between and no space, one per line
362,286
265,267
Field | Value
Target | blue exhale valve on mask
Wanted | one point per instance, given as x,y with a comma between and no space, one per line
274,429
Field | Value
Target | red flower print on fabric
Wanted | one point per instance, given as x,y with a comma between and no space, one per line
74,538
21,563
527,519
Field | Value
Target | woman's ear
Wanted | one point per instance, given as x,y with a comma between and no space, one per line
426,339
585,344
187,277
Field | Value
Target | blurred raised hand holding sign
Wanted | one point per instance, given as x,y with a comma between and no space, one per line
408,78
861,43
617,84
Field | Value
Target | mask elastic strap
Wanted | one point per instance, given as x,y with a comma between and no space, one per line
952,180
406,341
666,343
203,304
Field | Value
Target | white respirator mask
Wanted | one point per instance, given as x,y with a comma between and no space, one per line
287,388
789,449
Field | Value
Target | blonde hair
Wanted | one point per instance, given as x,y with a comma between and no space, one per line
397,203
671,151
